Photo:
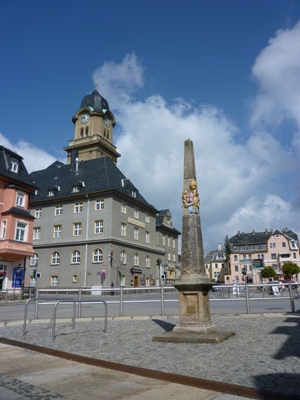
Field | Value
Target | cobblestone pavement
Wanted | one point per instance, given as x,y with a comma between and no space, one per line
263,354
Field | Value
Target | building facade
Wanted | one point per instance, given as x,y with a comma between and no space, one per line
250,252
16,220
92,225
215,264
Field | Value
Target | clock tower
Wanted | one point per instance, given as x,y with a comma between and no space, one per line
93,131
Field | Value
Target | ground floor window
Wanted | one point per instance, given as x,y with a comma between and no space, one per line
54,280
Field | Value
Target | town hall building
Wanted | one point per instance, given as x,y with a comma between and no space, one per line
92,225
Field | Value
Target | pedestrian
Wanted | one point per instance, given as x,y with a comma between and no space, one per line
112,292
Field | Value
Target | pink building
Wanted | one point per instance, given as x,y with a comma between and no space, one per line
250,252
16,223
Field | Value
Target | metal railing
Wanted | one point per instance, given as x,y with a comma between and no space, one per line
56,304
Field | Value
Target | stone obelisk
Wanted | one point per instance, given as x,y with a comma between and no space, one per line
193,285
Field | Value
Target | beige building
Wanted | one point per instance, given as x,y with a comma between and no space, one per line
250,252
215,264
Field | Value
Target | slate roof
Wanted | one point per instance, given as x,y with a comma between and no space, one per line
95,102
215,255
160,221
91,176
252,238
20,177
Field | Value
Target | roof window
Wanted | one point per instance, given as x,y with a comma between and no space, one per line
14,165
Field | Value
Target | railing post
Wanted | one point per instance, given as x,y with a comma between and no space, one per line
291,298
36,310
247,298
162,304
121,301
79,302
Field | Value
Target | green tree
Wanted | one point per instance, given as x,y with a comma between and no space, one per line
227,249
289,269
268,272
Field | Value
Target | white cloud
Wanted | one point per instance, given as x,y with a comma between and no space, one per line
277,71
33,157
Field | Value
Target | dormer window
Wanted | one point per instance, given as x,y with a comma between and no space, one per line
75,189
14,165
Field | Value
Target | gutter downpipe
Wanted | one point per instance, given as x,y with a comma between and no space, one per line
86,239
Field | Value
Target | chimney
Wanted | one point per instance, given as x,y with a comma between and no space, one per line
219,246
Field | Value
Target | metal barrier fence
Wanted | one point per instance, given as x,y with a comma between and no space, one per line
242,292
55,304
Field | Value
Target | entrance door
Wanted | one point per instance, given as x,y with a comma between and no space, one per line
136,281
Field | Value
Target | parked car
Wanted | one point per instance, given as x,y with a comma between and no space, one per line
216,287
287,281
273,283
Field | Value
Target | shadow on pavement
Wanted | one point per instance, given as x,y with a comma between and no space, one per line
167,326
285,385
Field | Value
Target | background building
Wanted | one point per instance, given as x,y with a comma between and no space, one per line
250,252
16,220
215,264
92,226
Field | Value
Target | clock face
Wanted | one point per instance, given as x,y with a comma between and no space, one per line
84,118
107,122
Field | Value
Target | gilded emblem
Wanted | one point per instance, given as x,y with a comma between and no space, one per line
191,199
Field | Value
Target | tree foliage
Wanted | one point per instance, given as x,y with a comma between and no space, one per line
289,268
268,272
227,248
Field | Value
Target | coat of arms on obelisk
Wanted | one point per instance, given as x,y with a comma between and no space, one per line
191,199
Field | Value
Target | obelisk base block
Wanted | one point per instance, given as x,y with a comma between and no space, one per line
194,313
195,325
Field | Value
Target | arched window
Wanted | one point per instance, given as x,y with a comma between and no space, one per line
86,131
55,258
76,257
34,260
98,256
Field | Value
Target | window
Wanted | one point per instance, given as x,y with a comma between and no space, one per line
99,204
57,230
20,199
74,278
283,244
147,218
77,228
3,267
36,233
164,240
58,210
174,244
273,256
136,260
174,258
98,256
147,237
169,256
169,242
294,255
236,268
136,213
76,257
98,226
123,229
123,257
78,208
272,245
147,262
136,233
55,258
123,208
38,213
3,228
14,166
54,280
21,232
34,260
235,257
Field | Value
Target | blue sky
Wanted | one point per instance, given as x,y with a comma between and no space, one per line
223,73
